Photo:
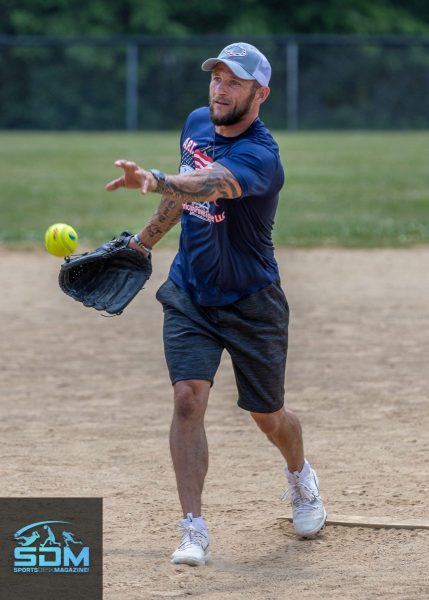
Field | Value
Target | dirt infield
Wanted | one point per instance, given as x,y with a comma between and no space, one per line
86,407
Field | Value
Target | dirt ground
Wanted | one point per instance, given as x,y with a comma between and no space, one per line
86,406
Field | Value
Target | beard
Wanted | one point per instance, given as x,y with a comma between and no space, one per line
235,115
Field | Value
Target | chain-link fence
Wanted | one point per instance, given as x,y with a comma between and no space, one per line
318,82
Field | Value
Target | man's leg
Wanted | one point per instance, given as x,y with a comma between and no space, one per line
193,352
257,340
188,442
283,429
189,452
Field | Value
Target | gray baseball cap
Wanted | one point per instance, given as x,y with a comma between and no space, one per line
244,60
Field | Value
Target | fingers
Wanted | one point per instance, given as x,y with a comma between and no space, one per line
126,164
115,184
133,177
145,186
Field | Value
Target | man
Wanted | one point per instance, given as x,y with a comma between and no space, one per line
223,289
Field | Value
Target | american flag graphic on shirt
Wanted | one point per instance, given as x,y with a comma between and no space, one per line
192,159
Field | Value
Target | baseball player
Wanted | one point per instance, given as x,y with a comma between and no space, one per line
223,291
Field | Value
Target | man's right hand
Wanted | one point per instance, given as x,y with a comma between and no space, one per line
134,177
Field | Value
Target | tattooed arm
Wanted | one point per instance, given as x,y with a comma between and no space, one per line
166,216
203,185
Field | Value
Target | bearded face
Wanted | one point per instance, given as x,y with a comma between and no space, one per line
230,99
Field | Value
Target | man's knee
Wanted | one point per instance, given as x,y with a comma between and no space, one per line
269,423
190,399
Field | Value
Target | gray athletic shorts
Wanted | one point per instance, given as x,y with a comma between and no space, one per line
254,331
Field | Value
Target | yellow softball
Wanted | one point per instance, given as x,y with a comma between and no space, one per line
60,239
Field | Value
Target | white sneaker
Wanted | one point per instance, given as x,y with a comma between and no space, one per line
194,549
309,514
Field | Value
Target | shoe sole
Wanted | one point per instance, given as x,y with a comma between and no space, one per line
313,534
191,562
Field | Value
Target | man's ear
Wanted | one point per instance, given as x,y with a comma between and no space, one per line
263,93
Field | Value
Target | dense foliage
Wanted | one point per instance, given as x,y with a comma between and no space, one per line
63,84
181,17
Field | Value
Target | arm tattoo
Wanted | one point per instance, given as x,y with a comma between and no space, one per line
164,218
203,185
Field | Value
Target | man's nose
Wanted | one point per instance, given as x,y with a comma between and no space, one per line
220,87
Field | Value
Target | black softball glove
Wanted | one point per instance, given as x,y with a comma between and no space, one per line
106,278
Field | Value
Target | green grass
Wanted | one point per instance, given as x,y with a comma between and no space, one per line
350,189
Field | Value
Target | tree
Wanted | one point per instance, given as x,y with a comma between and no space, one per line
181,17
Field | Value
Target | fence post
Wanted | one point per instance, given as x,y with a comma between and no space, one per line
292,82
132,88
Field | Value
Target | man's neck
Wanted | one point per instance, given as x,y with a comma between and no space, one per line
237,128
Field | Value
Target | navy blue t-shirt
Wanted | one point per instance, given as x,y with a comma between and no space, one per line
226,251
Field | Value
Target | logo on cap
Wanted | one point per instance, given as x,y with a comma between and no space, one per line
235,50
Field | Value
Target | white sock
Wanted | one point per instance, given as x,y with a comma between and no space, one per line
305,471
197,522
